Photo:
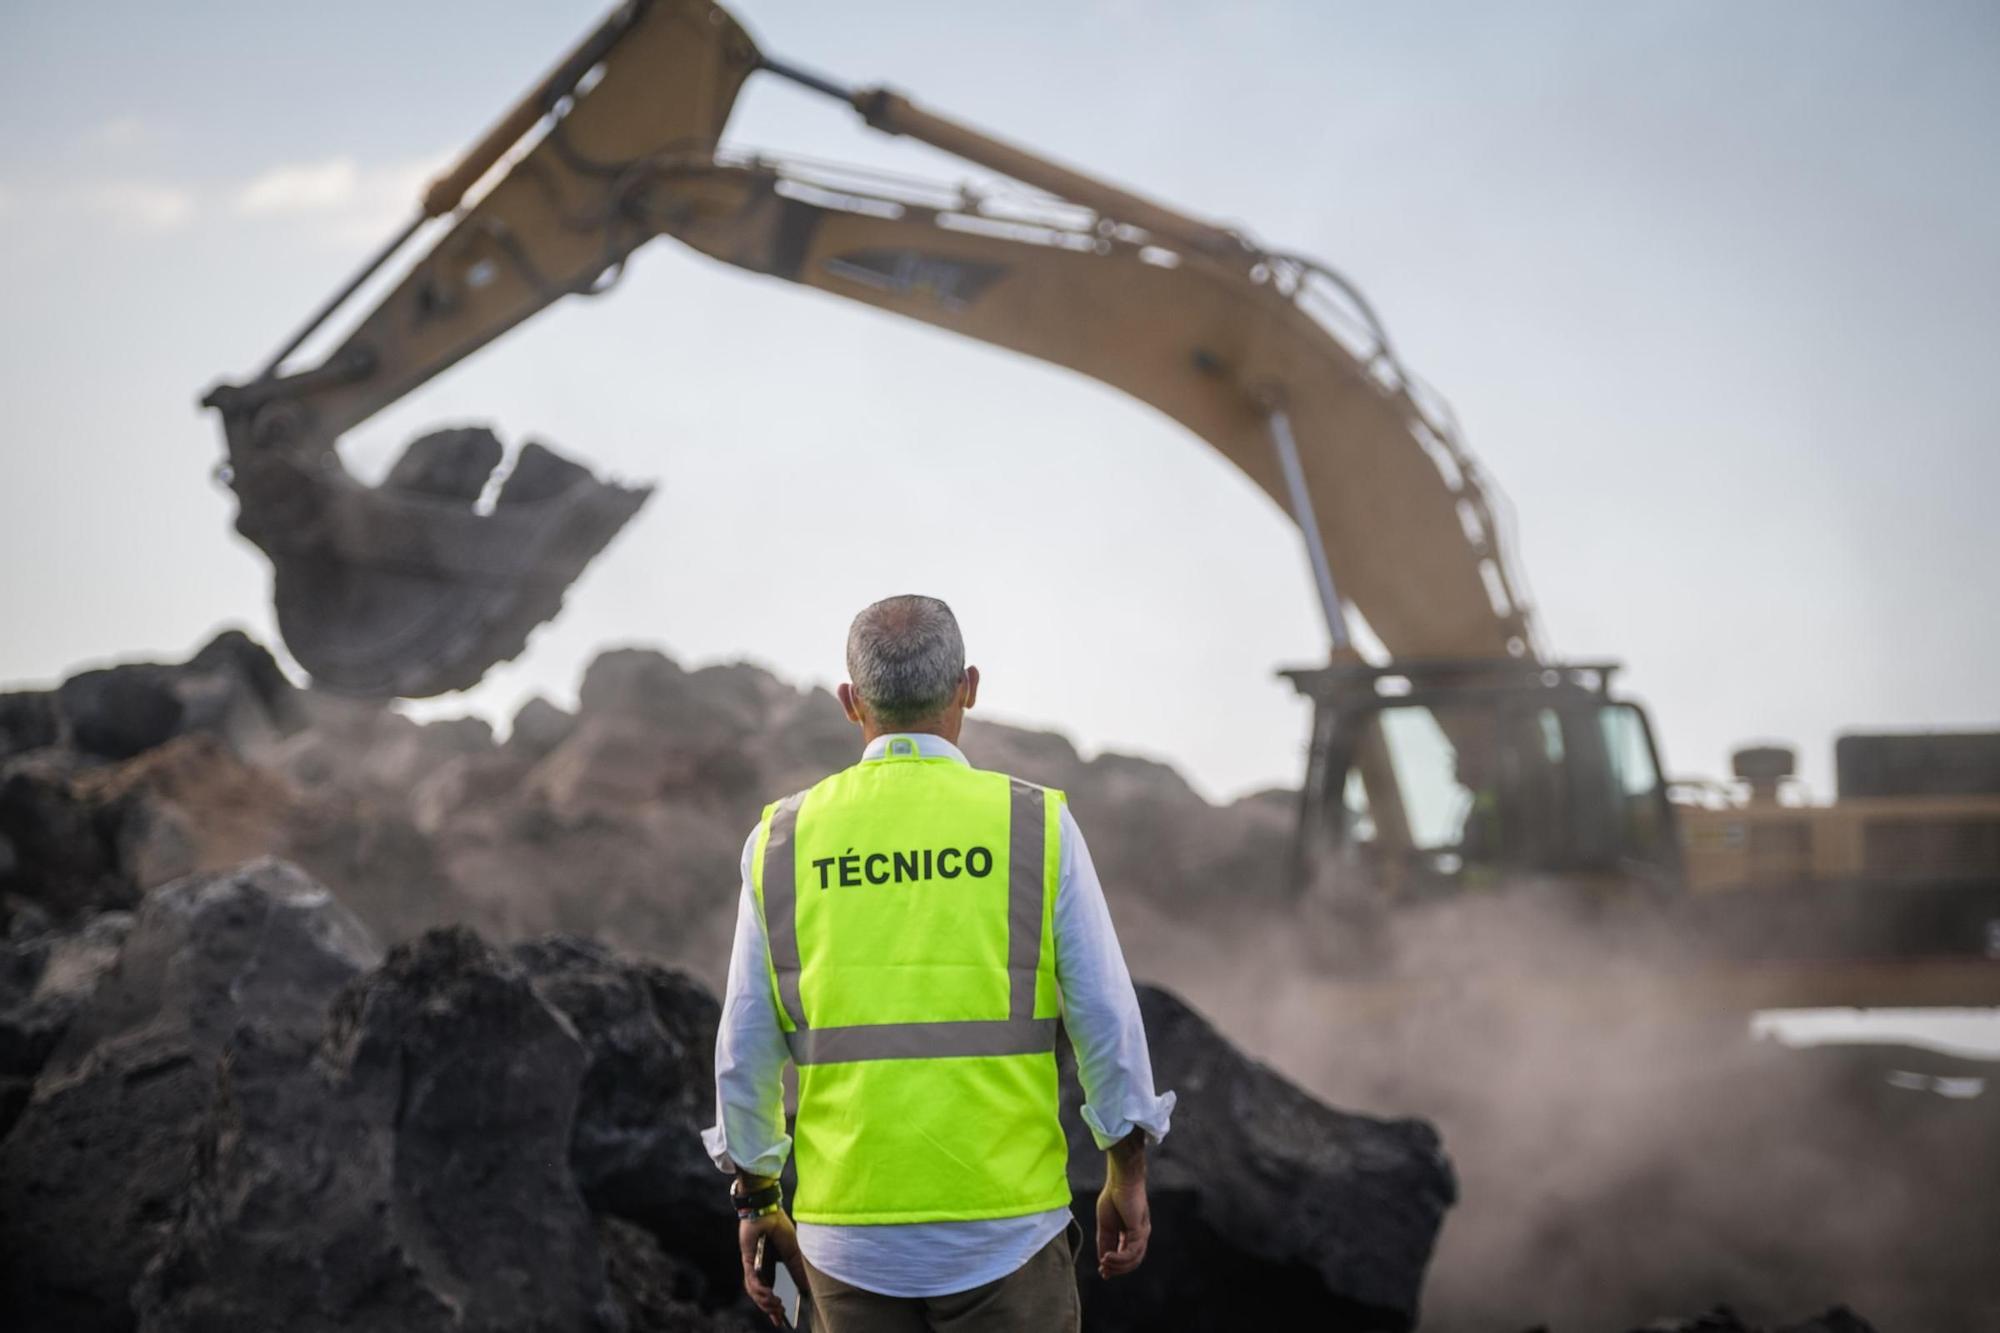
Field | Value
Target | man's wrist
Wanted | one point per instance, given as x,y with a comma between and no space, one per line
1126,1159
755,1196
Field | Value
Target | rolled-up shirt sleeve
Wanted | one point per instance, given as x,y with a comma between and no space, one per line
1100,1008
750,1053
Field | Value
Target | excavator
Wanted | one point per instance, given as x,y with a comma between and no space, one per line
1463,759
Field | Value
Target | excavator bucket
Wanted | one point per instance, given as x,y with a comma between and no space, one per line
414,587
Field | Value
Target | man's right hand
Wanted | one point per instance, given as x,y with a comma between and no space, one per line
782,1243
1124,1221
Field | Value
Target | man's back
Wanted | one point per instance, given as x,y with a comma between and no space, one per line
908,902
909,930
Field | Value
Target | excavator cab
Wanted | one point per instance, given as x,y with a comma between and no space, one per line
1427,779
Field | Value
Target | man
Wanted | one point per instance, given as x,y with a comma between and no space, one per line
908,932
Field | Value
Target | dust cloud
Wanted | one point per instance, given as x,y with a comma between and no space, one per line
1626,1150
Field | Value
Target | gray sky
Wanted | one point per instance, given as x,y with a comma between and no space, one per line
1714,289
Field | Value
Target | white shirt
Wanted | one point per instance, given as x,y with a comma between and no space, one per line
1099,1010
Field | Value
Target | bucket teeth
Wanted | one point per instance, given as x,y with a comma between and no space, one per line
451,464
540,474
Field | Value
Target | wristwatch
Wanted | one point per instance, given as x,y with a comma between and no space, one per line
758,1202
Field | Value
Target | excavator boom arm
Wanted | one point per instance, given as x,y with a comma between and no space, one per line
1215,344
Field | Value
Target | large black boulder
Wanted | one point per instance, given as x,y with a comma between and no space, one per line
417,1181
1270,1208
68,846
29,720
95,1169
232,688
647,1092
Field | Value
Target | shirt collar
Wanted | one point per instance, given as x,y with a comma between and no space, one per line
928,747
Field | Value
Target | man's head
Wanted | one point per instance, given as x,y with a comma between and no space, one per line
906,669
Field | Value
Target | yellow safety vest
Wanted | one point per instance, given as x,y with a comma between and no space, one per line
909,903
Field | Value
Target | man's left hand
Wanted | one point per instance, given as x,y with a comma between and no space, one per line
781,1241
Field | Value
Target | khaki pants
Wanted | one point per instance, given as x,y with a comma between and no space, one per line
1038,1297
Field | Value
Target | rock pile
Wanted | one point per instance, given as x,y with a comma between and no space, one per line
243,1117
1329,1217
623,821
222,1107
1722,1319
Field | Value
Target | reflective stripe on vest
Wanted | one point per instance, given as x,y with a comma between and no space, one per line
922,1041
907,903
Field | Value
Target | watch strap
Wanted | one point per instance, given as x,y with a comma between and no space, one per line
757,1203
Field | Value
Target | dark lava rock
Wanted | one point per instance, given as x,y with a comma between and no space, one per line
62,843
122,710
374,856
1839,1319
417,1179
658,1291
188,806
1269,1207
457,736
646,1095
29,720
237,1126
539,727
633,682
93,1173
88,836
714,706
43,982
1722,1319
232,687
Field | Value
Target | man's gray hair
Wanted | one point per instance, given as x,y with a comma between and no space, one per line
905,657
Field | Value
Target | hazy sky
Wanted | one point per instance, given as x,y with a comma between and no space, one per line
1714,289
